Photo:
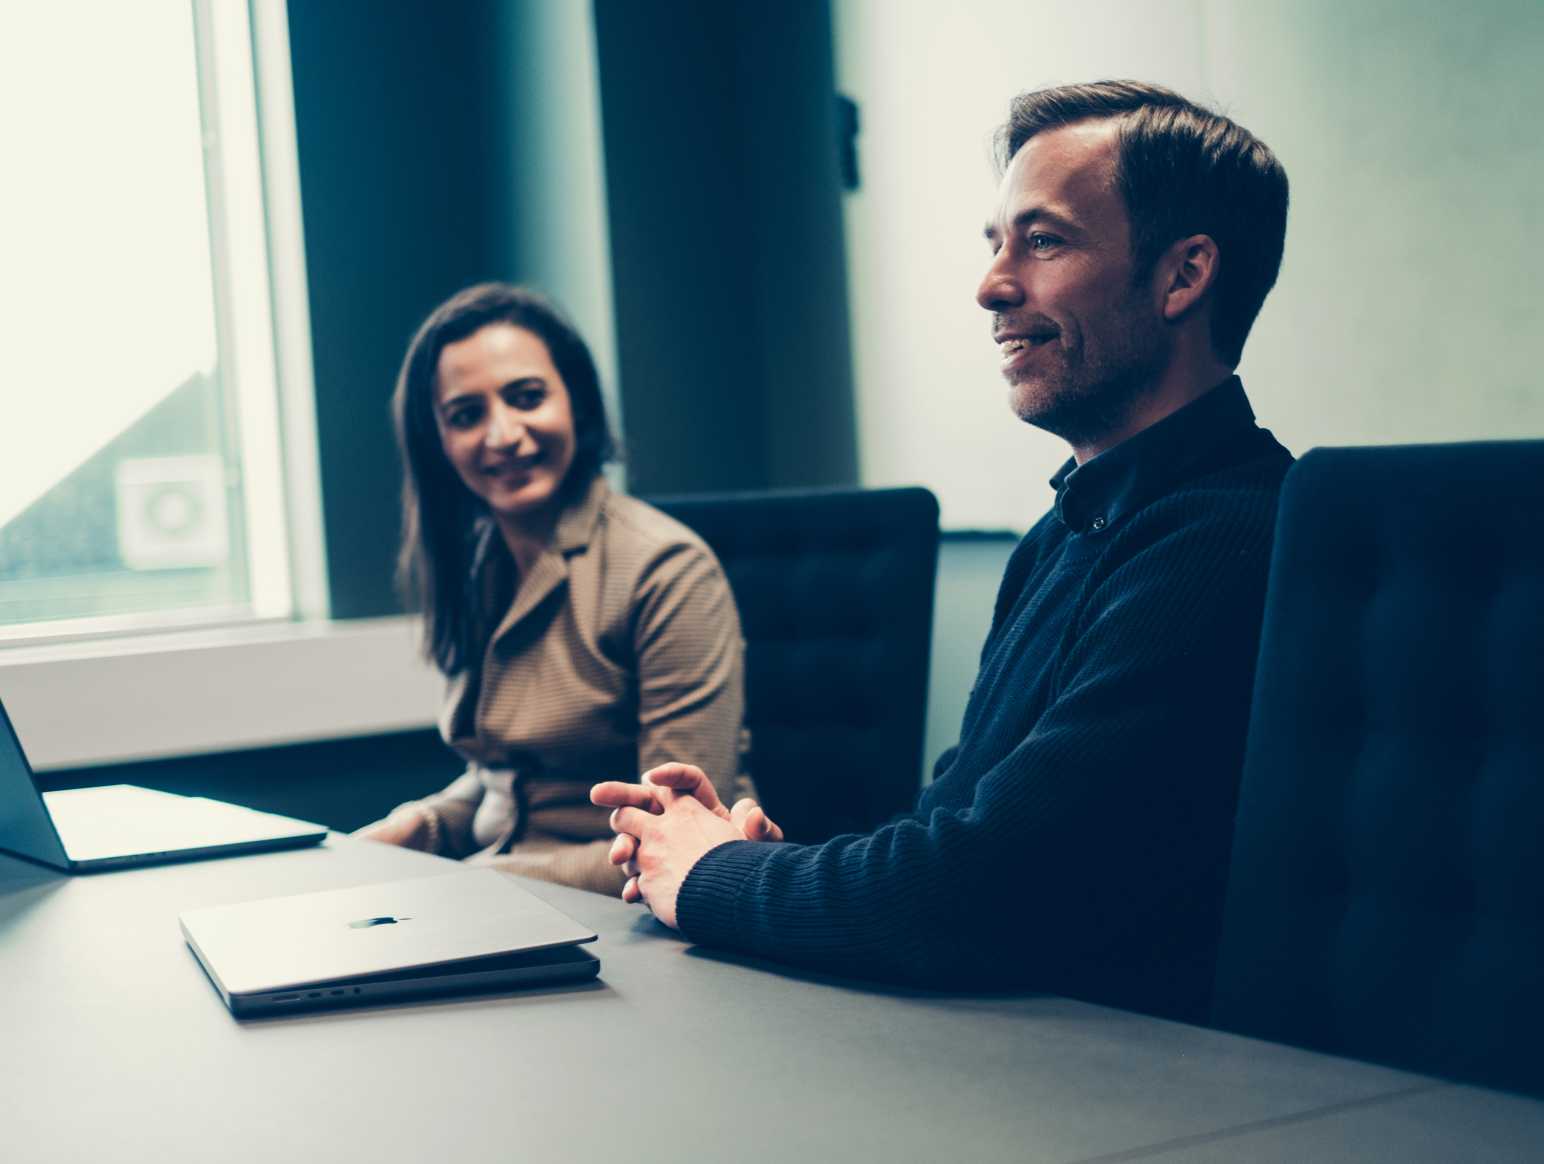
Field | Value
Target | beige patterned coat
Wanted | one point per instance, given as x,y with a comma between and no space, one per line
621,650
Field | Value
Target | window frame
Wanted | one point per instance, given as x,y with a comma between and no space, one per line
262,327
109,689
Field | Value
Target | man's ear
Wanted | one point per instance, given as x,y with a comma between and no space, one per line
1187,270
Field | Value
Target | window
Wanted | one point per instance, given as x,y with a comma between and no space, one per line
156,461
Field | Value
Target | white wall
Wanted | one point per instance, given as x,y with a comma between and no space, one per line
1409,302
969,573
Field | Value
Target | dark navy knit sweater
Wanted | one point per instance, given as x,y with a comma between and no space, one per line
1076,839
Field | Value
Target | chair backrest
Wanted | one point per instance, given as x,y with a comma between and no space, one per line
1386,896
835,590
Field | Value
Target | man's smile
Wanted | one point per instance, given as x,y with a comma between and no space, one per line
1017,350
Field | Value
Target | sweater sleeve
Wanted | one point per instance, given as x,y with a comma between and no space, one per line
1116,802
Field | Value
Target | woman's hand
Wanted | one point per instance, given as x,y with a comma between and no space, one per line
406,827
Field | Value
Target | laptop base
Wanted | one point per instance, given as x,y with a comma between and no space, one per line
562,964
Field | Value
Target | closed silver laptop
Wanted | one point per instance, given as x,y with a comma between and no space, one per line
86,829
472,929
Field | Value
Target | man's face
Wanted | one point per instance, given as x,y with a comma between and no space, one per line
1080,341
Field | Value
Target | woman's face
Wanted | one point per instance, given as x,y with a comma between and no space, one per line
505,419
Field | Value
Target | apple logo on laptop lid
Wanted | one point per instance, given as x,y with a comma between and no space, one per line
365,923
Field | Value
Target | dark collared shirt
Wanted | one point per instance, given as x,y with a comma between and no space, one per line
1120,481
1076,839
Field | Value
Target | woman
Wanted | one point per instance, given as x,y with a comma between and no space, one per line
585,635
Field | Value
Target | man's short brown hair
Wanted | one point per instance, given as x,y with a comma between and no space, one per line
1181,170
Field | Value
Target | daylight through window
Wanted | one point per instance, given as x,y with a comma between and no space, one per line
142,481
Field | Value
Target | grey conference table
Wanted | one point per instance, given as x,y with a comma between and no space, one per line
118,1049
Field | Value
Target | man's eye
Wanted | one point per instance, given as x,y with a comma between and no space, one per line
1042,242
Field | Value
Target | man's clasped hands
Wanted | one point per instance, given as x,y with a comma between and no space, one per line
665,824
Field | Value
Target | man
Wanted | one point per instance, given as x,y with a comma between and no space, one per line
1076,839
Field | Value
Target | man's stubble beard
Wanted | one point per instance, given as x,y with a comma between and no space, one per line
1083,401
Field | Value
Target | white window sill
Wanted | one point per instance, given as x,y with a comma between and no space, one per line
150,697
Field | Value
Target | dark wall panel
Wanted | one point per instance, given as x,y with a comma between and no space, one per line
787,86
397,115
727,260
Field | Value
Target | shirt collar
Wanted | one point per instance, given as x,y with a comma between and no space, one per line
1095,495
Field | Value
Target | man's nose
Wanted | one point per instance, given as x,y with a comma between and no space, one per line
999,289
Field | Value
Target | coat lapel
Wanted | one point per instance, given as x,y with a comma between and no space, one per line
574,530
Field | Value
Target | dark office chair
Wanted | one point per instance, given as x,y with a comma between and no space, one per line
835,590
1386,898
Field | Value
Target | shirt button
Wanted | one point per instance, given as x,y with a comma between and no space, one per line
1098,524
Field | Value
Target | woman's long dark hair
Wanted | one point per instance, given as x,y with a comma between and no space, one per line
447,531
